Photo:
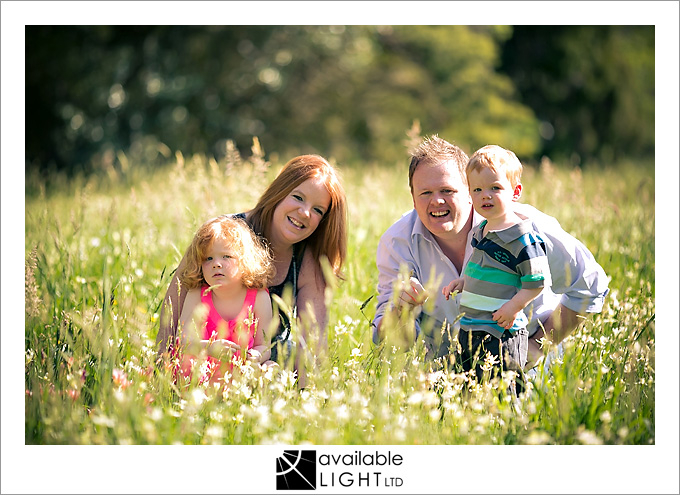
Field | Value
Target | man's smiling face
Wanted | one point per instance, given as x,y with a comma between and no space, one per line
441,198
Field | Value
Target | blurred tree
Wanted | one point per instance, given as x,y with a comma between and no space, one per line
448,75
592,87
348,92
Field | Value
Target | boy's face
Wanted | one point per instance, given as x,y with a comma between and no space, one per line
492,194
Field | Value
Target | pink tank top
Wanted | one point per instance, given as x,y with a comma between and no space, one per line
214,370
227,329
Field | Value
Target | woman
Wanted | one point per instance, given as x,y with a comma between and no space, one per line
302,217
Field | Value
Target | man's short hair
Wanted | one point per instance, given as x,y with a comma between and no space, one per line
434,149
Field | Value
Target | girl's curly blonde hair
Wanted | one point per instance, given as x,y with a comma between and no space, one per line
254,258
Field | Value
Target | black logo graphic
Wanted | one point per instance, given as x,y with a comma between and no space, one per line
296,470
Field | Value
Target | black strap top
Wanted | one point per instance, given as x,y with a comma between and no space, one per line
291,279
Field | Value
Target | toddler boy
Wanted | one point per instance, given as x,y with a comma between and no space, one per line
507,270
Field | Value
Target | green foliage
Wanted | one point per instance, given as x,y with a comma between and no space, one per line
99,258
573,93
342,91
592,87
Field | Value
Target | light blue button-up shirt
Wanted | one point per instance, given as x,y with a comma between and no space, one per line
578,281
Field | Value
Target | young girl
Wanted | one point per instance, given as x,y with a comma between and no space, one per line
227,308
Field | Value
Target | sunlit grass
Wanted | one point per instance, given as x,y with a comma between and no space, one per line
99,256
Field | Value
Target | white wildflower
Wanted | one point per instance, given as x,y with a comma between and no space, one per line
310,409
342,412
538,438
215,433
263,416
588,437
198,396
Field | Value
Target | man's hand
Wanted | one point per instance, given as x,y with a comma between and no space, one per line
413,293
561,322
534,351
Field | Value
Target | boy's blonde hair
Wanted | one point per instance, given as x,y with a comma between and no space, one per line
253,257
497,159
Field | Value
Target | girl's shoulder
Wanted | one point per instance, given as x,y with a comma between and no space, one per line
263,301
262,294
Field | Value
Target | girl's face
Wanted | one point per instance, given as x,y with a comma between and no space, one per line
298,215
221,265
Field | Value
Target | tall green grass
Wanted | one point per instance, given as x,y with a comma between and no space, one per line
100,253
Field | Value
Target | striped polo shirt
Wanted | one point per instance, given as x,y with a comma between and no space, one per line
502,263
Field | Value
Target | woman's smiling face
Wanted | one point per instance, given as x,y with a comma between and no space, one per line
298,215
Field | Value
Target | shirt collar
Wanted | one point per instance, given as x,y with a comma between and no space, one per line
419,228
511,233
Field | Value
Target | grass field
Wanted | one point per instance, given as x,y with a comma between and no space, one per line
99,255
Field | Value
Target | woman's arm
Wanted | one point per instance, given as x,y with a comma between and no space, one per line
311,303
263,312
312,315
187,320
190,321
171,309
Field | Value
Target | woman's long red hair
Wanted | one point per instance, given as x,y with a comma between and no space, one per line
330,237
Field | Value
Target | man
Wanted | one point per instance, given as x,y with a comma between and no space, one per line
432,244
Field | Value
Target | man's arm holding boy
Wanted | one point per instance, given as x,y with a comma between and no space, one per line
575,275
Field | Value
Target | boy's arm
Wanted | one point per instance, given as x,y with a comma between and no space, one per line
457,284
506,314
534,273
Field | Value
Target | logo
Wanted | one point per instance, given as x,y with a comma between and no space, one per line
502,256
296,470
